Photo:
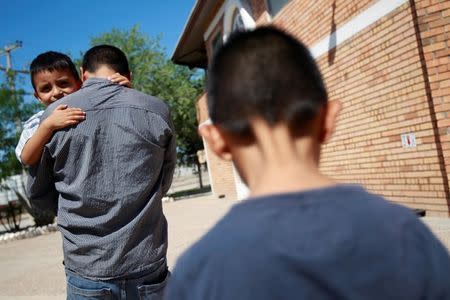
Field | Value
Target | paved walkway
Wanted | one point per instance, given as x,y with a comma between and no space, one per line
440,227
31,269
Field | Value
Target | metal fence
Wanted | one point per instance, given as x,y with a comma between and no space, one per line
184,179
17,182
187,179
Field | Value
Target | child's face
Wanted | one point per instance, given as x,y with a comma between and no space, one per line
51,86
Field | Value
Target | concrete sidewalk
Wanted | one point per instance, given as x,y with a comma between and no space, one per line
440,227
31,269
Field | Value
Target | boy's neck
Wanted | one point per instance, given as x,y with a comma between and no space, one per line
288,179
278,163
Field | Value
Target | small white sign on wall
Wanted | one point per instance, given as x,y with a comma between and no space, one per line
409,140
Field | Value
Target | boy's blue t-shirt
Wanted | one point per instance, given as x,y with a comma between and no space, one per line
334,243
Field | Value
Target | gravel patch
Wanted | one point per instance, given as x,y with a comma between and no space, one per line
27,233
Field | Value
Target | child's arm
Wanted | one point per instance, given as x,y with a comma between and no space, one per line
61,117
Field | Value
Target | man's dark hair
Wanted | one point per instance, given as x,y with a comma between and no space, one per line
51,61
264,73
106,55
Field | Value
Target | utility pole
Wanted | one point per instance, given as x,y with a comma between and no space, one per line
7,51
10,76
9,71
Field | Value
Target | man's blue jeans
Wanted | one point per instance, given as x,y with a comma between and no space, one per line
149,287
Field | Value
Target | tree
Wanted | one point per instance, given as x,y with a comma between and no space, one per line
14,110
155,74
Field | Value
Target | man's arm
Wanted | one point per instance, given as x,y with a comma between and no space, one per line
41,186
170,160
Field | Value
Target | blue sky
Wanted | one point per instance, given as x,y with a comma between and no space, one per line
67,26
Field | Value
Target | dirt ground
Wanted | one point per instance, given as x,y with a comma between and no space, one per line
32,268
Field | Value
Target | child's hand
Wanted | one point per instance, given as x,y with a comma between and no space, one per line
122,80
64,116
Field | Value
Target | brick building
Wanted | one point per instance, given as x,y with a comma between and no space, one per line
388,61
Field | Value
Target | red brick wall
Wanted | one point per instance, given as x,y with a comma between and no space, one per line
389,85
433,23
202,109
220,171
379,78
312,20
209,42
221,175
259,9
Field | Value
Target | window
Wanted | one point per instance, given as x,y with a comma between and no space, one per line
217,42
236,18
276,5
237,24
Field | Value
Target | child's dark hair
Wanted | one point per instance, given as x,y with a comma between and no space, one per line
106,55
264,73
50,61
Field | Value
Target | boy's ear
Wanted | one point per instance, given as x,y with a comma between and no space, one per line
332,111
216,140
82,75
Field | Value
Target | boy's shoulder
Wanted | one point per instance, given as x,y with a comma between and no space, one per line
337,215
33,120
349,203
346,204
149,102
312,233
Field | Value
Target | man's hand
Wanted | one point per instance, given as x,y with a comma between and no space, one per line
63,116
119,79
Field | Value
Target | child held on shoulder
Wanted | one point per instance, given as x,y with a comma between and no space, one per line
53,76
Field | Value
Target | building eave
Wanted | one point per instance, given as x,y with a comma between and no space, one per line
191,50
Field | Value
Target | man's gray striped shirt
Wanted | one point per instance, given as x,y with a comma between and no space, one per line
105,178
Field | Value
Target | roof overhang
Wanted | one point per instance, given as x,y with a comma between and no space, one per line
191,50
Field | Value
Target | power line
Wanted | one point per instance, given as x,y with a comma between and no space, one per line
15,71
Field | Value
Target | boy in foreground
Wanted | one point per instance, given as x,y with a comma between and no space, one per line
301,235
53,76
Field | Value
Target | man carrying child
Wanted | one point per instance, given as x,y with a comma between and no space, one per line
105,177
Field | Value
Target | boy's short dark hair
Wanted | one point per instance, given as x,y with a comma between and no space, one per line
106,55
264,73
50,61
